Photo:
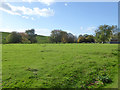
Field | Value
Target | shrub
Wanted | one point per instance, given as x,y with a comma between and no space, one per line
14,37
25,38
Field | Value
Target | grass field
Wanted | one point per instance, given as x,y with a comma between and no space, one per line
60,65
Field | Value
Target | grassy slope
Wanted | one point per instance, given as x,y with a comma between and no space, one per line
42,39
59,65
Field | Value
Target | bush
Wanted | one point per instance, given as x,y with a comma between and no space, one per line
14,37
25,40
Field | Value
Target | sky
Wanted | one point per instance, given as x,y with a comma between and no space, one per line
74,17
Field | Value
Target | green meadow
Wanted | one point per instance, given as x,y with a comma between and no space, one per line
60,65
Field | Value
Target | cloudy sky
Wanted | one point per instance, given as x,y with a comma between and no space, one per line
47,15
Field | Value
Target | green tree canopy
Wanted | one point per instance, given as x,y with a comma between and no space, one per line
104,33
32,35
30,32
86,38
62,36
56,35
14,37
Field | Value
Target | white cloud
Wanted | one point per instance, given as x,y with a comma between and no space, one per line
62,0
25,17
32,18
6,7
11,30
43,12
45,32
28,1
22,10
66,4
47,2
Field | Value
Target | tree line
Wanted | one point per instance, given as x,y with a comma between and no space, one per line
28,37
103,34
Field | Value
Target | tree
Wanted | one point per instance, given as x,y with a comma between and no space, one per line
75,39
81,39
14,37
62,36
116,37
30,32
25,38
71,38
90,39
104,33
86,38
57,35
32,35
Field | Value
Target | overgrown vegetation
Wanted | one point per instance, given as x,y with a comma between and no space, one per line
59,65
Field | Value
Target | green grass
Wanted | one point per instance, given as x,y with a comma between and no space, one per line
59,65
42,39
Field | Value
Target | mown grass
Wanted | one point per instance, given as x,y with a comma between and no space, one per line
60,65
